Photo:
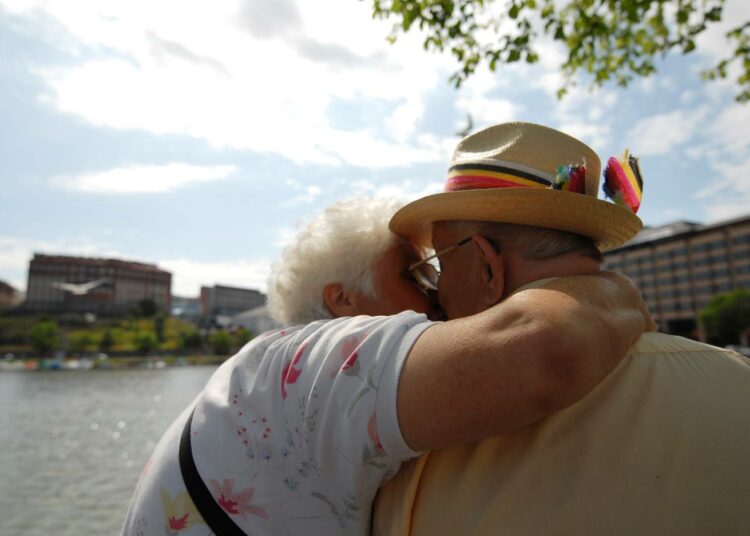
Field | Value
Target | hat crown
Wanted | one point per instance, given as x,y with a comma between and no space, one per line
527,174
533,146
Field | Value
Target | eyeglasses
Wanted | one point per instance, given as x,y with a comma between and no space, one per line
425,274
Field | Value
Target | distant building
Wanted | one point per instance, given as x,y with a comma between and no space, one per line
256,320
186,307
222,300
59,284
9,296
679,267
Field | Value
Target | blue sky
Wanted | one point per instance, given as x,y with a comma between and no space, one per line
198,135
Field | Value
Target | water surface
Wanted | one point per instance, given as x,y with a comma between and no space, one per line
72,444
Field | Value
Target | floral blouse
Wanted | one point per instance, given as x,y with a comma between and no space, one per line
293,435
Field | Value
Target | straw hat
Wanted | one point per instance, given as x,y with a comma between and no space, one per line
525,174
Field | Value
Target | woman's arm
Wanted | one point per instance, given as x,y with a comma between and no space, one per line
535,353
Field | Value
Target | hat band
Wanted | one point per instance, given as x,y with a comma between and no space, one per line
476,176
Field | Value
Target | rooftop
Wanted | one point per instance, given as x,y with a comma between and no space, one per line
96,261
678,228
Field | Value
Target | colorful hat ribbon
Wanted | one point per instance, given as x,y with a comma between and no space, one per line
480,174
623,183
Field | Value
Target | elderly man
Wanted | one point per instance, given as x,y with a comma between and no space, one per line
660,447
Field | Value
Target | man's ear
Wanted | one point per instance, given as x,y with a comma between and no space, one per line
337,300
493,269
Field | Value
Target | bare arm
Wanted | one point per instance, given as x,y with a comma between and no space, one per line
535,353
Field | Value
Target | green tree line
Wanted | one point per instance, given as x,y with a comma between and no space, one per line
140,336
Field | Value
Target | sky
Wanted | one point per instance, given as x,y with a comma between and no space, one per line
200,135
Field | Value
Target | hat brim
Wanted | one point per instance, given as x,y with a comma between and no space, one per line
609,225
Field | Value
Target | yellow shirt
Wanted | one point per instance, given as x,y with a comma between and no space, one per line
661,446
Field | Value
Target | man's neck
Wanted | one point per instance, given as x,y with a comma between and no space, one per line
520,272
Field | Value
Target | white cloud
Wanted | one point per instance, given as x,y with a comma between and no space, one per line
284,237
236,85
479,98
663,133
728,195
407,190
143,179
581,114
725,147
713,188
713,43
403,121
306,194
189,275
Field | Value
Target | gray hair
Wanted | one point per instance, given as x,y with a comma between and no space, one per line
338,246
533,243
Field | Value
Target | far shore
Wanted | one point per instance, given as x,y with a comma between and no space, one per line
103,362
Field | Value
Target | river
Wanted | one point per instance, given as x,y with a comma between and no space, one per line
72,444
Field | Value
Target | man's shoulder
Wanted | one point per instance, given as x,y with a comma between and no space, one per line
654,343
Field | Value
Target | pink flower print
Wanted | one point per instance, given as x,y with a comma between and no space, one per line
145,469
290,374
228,505
178,524
179,511
350,361
236,503
350,351
373,432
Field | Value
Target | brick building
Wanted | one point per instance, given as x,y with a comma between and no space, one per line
9,296
58,284
679,267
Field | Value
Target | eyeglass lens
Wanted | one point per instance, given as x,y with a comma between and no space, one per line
427,275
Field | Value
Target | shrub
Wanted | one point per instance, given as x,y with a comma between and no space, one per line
45,336
80,342
145,341
191,340
107,341
242,337
221,342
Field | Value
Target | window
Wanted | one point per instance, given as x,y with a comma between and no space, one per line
721,272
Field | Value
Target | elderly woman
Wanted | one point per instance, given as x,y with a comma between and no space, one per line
296,433
346,263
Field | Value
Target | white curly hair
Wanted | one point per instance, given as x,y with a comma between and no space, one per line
338,246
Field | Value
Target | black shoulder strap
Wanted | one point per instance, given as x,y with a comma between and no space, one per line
213,514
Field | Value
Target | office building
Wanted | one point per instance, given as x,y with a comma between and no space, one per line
223,300
679,267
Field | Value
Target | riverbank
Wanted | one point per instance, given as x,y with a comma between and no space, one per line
109,363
